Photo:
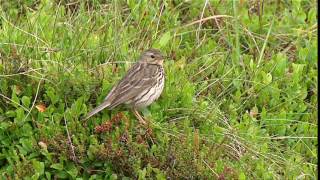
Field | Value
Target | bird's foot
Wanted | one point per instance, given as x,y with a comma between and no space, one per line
140,118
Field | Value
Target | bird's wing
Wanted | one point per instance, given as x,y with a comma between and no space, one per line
139,78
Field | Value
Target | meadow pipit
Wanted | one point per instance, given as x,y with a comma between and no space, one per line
140,87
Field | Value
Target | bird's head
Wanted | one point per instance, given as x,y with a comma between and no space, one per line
152,56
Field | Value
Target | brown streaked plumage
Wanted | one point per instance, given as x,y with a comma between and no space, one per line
141,86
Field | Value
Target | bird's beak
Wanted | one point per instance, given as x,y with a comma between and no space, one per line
160,62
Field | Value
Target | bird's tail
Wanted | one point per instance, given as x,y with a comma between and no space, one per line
99,108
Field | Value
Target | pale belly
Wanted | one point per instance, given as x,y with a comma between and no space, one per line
150,96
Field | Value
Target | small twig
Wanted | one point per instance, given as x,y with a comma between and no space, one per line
74,157
253,39
26,72
160,14
216,174
290,137
5,97
200,24
46,49
213,12
213,83
114,62
34,101
206,19
264,45
28,33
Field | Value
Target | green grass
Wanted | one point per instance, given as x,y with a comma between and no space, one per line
240,99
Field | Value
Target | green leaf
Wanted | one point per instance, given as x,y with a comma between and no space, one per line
297,72
14,97
72,171
48,175
281,61
237,83
297,68
35,176
38,166
20,114
27,144
164,39
242,176
77,107
52,95
57,166
113,177
62,175
3,85
251,64
268,78
142,174
10,113
26,101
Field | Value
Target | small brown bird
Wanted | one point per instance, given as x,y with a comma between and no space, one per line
140,87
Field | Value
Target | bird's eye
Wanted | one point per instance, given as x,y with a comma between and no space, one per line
152,56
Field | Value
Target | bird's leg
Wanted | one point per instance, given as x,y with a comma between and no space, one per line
139,117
